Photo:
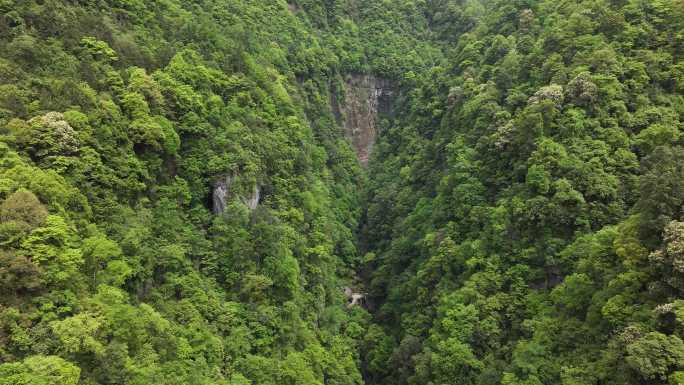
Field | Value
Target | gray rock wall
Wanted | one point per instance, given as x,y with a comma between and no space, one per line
364,98
223,192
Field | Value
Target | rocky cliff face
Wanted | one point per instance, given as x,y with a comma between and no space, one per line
223,192
364,97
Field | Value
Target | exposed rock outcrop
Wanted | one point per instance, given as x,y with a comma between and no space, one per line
364,98
223,193
252,201
354,299
220,195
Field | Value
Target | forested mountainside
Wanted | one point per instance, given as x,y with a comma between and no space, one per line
525,204
191,190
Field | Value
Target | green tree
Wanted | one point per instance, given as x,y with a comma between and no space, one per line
40,370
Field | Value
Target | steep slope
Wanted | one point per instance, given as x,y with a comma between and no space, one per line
176,202
365,99
524,206
187,187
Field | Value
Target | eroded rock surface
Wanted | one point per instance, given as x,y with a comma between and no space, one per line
223,193
364,98
252,201
353,298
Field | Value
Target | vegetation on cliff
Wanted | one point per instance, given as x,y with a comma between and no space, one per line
179,205
525,206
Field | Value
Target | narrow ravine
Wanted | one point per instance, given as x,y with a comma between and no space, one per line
342,192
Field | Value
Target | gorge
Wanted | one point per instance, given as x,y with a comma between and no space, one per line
341,192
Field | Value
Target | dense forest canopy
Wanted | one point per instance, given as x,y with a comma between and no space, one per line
179,204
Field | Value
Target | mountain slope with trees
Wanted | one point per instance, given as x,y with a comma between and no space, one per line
179,205
118,118
524,209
